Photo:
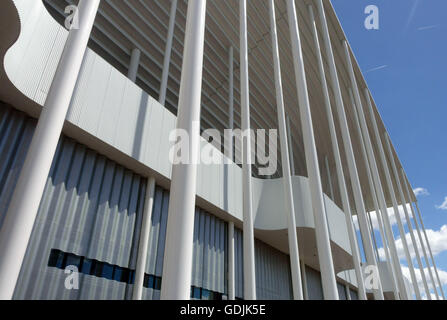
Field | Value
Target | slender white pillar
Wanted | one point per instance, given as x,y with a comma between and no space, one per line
231,262
429,249
249,245
403,202
339,166
143,244
134,64
167,57
20,217
321,228
289,138
329,178
287,180
427,263
304,279
374,197
176,284
378,184
348,292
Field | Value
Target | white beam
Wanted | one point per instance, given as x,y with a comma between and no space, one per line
248,231
287,180
167,57
22,212
143,245
321,228
134,64
177,267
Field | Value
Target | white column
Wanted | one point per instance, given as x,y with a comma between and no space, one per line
20,217
321,228
374,197
304,279
176,284
403,202
429,249
427,263
167,57
348,293
287,180
231,262
143,245
134,64
248,232
379,188
339,166
289,138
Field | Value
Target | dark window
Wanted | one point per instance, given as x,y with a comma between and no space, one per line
196,293
107,271
73,260
86,266
117,274
56,259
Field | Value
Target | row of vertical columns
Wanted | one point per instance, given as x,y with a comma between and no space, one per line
429,249
287,180
373,193
22,212
379,188
427,263
248,231
407,216
321,227
340,175
346,137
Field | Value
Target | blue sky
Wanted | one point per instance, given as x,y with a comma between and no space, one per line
405,66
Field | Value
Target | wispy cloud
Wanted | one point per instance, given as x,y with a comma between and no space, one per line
421,192
428,27
443,206
377,68
412,14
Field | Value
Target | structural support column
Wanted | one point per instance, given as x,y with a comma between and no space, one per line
289,138
321,228
248,236
421,241
168,50
231,260
176,284
143,245
429,249
287,180
134,64
340,175
404,205
374,196
304,279
22,212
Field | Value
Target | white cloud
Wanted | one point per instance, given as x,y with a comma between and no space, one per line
391,216
437,239
421,192
443,206
442,277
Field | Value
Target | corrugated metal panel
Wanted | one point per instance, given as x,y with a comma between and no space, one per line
314,285
341,291
91,207
273,278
